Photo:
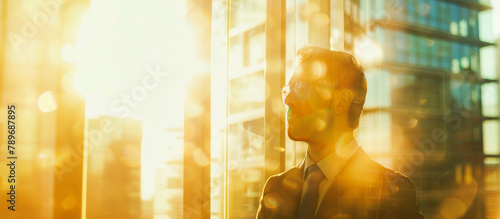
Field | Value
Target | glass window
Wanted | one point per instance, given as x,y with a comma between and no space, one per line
390,50
488,62
473,25
136,168
434,13
439,44
413,40
416,93
375,135
465,60
492,182
466,96
245,157
454,19
474,59
455,61
489,97
378,91
423,51
454,12
433,52
355,12
444,15
464,29
485,30
411,7
423,9
362,8
464,22
492,172
401,47
447,54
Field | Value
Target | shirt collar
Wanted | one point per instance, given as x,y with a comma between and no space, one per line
334,162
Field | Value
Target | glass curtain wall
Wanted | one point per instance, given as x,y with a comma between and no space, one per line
133,72
238,115
435,77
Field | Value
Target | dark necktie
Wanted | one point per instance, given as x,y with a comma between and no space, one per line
314,176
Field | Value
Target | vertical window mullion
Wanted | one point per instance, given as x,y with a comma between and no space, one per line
196,187
275,75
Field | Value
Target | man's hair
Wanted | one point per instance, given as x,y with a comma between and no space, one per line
344,71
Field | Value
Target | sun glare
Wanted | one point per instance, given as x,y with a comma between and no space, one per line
135,68
367,51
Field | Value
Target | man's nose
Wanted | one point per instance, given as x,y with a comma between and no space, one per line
289,99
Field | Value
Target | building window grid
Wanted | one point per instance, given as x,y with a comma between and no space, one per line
448,17
433,14
473,23
454,19
467,57
428,52
463,22
444,16
423,12
417,92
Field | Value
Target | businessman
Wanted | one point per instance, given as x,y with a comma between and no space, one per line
336,179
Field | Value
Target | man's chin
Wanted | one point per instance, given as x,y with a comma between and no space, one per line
298,135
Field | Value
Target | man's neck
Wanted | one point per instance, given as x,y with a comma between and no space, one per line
319,150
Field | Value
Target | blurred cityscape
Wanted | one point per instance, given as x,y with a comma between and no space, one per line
105,118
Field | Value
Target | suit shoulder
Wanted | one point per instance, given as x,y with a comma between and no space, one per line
392,175
397,177
401,189
287,173
399,184
289,178
398,192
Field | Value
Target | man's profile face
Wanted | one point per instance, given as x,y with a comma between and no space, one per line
311,93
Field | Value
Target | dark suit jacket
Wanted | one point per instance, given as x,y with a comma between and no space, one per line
363,189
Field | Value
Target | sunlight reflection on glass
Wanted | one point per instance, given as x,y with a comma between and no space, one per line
47,102
132,68
68,53
200,157
367,51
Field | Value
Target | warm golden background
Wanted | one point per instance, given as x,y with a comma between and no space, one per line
172,108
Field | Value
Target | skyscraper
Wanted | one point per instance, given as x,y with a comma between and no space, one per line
426,103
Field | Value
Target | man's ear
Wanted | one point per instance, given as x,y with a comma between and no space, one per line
343,100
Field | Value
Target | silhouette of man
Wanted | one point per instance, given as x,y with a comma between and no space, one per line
337,179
